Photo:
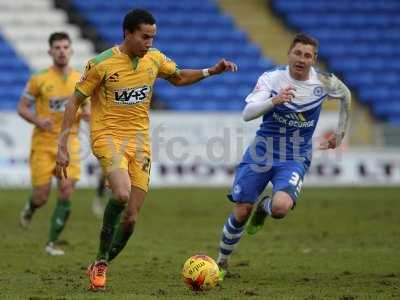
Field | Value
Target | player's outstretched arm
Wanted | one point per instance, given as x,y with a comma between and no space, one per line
188,76
344,116
62,159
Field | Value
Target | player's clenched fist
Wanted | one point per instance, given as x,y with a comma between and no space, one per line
223,66
332,142
285,95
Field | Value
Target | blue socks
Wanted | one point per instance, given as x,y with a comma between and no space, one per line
231,235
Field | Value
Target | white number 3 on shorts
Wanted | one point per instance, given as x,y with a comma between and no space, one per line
296,181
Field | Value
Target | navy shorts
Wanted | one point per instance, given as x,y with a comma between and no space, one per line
251,180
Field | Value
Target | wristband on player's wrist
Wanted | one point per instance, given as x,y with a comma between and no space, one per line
205,72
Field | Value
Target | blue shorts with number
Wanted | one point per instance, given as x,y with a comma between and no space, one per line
251,180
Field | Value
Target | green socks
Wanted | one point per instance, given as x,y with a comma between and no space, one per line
111,217
121,237
59,218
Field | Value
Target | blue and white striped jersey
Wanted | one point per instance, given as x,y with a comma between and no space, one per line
286,131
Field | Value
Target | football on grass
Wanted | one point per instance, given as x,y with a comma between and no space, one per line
200,273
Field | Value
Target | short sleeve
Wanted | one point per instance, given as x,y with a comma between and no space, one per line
263,88
89,80
167,67
31,90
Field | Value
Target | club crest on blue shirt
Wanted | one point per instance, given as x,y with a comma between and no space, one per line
237,189
318,91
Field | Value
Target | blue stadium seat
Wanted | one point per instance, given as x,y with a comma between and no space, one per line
394,120
13,75
387,108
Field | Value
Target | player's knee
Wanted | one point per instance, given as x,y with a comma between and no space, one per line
41,197
243,211
279,210
65,192
121,195
66,188
278,213
281,206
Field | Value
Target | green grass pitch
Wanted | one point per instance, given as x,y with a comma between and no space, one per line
337,244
